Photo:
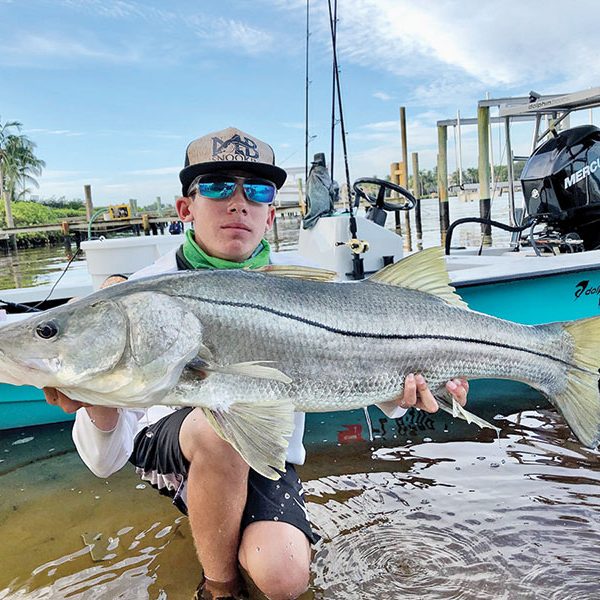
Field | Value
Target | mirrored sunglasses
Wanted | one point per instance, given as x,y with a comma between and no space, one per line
221,187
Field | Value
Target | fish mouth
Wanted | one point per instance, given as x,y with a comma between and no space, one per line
9,371
31,371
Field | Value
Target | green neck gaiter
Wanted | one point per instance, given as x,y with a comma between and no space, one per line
198,259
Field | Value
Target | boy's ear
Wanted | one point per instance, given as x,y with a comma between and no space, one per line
270,218
182,206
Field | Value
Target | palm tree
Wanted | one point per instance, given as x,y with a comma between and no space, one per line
6,131
18,165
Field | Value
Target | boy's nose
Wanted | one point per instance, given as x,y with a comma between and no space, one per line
238,200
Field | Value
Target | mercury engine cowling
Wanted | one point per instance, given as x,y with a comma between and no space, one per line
561,183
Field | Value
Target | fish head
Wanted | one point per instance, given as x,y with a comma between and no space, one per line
64,346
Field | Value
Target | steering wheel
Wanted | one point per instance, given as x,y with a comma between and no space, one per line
406,201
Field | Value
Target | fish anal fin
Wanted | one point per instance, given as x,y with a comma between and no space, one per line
449,404
258,431
423,271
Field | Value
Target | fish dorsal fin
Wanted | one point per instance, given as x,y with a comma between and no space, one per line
297,272
424,271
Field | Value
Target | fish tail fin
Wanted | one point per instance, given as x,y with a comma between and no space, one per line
580,401
258,431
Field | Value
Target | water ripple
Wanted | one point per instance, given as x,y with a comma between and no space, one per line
514,519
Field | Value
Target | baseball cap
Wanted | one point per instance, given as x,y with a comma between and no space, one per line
226,150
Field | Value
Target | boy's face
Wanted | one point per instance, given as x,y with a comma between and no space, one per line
230,228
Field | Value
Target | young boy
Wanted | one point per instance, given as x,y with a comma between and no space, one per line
229,182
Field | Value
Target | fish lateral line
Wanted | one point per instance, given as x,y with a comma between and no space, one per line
384,336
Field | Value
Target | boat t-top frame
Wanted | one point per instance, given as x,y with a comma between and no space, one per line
554,108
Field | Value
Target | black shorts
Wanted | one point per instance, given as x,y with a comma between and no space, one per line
158,459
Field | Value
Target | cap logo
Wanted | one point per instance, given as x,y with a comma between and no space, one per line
235,148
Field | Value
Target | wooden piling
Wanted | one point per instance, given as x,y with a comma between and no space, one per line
404,163
301,198
483,139
443,181
89,206
417,195
395,178
404,178
146,224
64,226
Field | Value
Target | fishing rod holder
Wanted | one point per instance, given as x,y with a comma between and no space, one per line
356,246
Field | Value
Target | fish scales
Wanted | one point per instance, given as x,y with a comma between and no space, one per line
342,349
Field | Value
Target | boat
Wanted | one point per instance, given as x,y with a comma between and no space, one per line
550,271
552,274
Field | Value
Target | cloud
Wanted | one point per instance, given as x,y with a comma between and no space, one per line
382,96
30,49
111,189
65,132
158,171
234,36
120,9
294,125
512,43
61,174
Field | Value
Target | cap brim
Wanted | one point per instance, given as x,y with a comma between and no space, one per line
275,174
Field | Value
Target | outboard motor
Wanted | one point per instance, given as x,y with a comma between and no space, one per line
561,184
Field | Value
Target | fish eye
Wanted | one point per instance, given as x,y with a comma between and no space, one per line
47,330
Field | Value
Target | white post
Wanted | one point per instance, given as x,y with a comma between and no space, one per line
491,134
460,173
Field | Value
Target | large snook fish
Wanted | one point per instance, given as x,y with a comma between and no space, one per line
275,344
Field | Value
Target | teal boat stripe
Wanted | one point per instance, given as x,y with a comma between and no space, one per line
522,277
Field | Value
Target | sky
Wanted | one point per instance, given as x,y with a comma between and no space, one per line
112,91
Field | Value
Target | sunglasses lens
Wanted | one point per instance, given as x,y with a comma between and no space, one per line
216,187
260,191
219,187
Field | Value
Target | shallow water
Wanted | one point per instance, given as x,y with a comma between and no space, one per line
38,266
429,508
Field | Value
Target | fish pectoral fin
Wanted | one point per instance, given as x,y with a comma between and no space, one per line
204,363
449,404
258,431
297,272
254,368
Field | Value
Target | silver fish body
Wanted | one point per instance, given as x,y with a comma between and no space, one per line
275,344
350,345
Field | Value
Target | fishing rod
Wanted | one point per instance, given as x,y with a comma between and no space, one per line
306,136
356,245
333,86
